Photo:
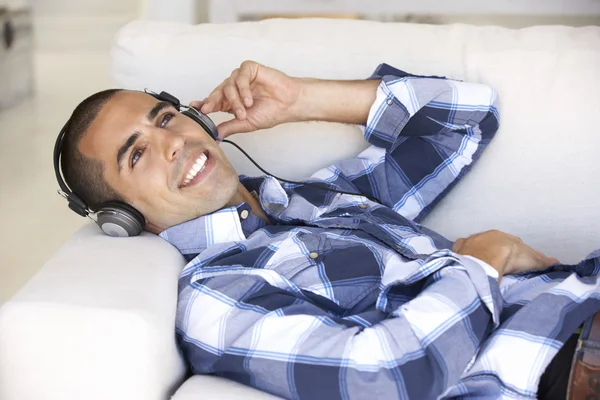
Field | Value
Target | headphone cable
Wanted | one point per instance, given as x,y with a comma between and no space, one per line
375,199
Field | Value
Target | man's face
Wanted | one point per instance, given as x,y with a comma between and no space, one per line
162,163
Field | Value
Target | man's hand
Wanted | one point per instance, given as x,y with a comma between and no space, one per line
260,97
506,253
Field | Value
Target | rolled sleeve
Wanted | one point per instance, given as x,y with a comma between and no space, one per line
426,134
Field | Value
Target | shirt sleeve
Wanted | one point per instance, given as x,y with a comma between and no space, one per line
425,134
272,336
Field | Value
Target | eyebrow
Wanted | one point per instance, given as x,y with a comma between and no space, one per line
125,148
158,107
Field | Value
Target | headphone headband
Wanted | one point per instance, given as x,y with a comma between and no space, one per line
164,96
75,202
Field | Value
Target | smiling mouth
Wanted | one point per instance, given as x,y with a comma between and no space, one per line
196,169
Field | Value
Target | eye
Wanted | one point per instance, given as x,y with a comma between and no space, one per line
135,156
166,118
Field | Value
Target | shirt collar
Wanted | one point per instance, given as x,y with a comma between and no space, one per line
269,190
225,225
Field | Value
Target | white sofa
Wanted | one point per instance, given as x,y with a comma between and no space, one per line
96,322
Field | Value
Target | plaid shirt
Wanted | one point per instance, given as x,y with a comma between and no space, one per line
341,297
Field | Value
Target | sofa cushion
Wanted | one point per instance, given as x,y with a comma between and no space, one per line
540,178
96,323
214,387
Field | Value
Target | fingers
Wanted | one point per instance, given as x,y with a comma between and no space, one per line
226,97
531,260
214,101
229,127
234,94
233,97
544,260
234,126
197,104
243,80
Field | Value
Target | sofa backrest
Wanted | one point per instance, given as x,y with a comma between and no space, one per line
539,179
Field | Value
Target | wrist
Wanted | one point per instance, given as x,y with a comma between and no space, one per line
495,255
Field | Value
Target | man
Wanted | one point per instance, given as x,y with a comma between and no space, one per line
308,293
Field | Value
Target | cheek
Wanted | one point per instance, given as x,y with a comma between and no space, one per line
158,202
150,191
226,169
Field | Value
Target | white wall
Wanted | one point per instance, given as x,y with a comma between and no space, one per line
14,3
173,10
80,25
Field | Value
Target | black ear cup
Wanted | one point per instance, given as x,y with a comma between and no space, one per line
203,120
119,219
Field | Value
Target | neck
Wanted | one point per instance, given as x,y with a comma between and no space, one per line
243,195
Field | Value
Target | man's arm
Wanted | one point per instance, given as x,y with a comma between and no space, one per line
256,327
261,97
347,102
425,132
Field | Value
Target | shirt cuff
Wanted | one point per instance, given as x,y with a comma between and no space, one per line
489,270
387,117
488,289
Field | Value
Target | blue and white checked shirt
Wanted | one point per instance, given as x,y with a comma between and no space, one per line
341,297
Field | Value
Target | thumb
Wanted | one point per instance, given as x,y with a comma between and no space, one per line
197,104
234,126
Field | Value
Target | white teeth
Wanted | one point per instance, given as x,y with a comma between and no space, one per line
197,167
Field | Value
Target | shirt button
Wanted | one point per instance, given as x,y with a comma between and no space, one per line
363,206
244,214
313,255
390,102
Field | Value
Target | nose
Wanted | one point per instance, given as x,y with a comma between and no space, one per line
172,144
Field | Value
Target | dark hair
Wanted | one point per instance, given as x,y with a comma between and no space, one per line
85,176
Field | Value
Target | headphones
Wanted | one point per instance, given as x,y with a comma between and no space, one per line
116,218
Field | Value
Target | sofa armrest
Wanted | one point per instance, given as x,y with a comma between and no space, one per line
97,322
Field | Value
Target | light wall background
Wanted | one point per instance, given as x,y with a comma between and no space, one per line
89,25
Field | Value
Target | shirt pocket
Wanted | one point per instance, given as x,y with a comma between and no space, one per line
339,273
